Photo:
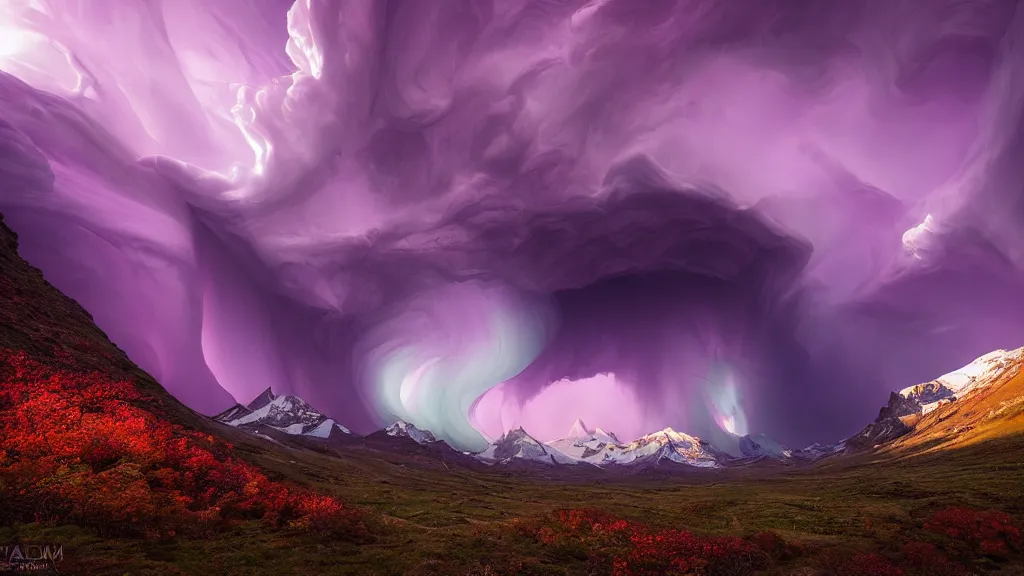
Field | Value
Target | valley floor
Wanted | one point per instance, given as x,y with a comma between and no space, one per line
436,521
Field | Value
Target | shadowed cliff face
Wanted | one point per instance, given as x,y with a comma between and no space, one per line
458,214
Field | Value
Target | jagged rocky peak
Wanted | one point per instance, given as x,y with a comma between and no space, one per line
897,417
518,435
403,429
899,406
265,397
890,423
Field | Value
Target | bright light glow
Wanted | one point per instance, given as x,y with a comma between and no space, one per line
729,424
915,239
411,383
14,42
725,403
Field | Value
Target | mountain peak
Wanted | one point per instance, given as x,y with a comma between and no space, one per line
265,397
671,433
606,436
579,430
517,444
404,429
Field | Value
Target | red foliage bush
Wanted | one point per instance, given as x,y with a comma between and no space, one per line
977,532
633,549
84,448
680,552
927,560
327,517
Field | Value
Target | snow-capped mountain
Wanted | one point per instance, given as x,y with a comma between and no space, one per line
977,374
583,443
579,431
597,447
663,445
288,414
604,449
402,429
899,415
761,446
517,445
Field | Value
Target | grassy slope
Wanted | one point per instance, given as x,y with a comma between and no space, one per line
432,514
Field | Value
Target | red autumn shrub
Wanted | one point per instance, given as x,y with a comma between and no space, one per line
329,518
977,532
632,549
83,448
927,560
680,552
585,519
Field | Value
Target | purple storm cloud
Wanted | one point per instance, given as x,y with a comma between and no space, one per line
716,215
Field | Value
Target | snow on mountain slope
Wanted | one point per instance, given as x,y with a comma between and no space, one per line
603,449
991,411
603,436
579,430
668,445
288,414
517,445
979,373
402,429
582,443
906,408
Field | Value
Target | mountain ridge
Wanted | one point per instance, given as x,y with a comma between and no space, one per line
603,450
920,406
286,413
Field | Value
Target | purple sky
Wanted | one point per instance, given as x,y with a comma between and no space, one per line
477,215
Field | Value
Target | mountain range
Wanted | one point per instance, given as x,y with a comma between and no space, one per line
600,449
